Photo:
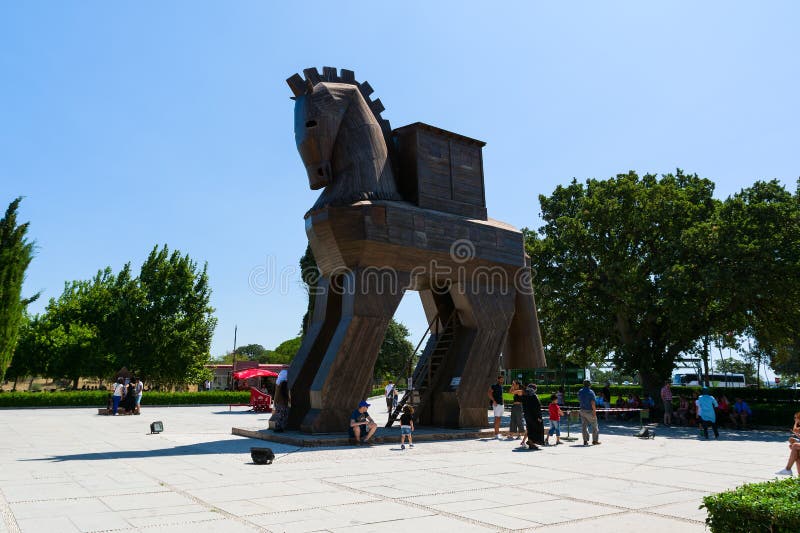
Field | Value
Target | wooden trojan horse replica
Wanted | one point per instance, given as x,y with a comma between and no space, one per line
402,210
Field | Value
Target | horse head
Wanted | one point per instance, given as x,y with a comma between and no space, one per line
317,117
342,138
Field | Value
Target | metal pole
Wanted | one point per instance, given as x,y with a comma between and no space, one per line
233,365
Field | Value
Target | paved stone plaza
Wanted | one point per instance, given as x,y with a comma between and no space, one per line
64,470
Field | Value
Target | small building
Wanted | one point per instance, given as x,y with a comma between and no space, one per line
223,374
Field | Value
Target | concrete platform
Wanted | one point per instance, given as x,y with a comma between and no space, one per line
382,436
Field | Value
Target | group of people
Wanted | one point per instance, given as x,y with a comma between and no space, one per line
127,396
691,413
527,406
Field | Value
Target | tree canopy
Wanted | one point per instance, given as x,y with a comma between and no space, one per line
158,325
16,253
644,269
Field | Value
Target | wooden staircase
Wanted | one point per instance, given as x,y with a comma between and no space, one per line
430,364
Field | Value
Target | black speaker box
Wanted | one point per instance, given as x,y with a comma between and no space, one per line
262,456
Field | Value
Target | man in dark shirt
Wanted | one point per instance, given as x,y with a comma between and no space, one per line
588,413
361,423
496,396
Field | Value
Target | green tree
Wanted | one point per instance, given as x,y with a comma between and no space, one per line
737,366
33,349
614,272
81,326
253,352
760,251
284,352
395,353
174,322
16,253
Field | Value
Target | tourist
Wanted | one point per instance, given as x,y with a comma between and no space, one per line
139,390
555,421
600,402
794,448
128,403
516,429
390,393
560,396
607,395
280,417
496,396
705,411
621,405
532,410
724,410
119,391
362,424
740,413
683,410
406,427
588,413
666,398
693,410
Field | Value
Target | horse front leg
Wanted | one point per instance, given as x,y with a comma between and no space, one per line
345,374
325,318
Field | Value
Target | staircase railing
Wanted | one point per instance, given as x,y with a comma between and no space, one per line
422,377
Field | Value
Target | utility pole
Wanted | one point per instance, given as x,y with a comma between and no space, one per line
233,366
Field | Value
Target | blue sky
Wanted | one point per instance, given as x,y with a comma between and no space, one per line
131,124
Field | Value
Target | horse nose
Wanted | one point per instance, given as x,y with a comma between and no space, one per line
320,175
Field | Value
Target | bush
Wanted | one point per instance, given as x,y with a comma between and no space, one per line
99,398
769,507
748,394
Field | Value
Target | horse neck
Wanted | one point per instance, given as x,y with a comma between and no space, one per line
360,162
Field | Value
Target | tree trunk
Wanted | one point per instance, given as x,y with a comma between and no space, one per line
651,384
705,360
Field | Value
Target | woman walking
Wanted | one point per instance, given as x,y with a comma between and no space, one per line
281,414
516,428
532,409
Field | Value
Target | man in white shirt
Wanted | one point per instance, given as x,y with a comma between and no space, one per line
119,391
390,393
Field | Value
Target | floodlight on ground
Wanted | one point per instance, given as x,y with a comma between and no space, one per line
157,427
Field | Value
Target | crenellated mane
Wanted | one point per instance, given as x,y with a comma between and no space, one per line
344,142
301,86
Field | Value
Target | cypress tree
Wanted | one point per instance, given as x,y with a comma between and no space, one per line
16,253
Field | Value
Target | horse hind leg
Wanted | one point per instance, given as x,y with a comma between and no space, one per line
485,317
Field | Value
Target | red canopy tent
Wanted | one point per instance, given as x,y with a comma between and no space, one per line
254,372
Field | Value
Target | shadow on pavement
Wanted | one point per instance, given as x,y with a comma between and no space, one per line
228,446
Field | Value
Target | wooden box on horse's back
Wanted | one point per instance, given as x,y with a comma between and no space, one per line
440,170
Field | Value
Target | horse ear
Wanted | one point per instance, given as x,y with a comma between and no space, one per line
297,85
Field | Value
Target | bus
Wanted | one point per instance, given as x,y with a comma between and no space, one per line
689,377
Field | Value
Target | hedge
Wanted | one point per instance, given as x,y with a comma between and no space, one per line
769,507
748,394
99,398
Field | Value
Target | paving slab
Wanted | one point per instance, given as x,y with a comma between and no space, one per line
72,470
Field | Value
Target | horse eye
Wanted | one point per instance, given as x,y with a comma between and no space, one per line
311,123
